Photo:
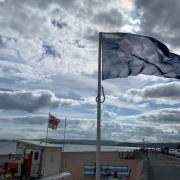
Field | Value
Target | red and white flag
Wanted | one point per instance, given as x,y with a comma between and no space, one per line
53,122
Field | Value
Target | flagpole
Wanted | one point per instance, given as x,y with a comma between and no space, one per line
64,133
47,129
46,147
98,128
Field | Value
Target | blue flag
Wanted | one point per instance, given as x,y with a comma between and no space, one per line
125,54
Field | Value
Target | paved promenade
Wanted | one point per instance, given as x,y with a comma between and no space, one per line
164,167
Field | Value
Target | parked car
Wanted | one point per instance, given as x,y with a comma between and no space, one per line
172,152
158,150
165,150
177,153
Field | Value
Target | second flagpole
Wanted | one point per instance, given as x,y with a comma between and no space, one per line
47,129
64,133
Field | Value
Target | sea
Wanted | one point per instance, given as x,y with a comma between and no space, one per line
10,147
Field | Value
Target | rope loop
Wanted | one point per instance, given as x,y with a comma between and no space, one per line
103,94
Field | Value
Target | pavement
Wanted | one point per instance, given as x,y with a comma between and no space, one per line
164,167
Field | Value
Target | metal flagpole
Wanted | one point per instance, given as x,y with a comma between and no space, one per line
98,99
64,133
46,134
63,162
47,129
46,147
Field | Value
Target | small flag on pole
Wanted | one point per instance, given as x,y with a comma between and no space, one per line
125,54
53,122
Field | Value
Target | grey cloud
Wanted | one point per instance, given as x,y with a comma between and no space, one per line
135,133
60,25
153,134
8,80
50,50
43,4
43,13
12,135
4,40
23,132
68,4
30,101
161,93
107,19
81,129
91,34
20,24
31,127
29,24
26,120
111,18
159,19
78,44
163,116
116,131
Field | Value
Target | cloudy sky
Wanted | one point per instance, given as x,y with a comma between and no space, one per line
48,63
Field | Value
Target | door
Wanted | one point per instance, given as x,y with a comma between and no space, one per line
35,163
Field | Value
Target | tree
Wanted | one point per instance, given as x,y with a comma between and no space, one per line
178,146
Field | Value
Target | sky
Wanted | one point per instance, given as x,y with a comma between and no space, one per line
49,60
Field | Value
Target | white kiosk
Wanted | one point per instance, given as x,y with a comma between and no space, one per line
40,159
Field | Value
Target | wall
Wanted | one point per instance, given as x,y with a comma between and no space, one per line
51,162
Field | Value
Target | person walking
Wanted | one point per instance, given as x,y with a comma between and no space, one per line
107,173
94,169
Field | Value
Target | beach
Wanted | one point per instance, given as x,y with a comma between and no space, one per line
74,161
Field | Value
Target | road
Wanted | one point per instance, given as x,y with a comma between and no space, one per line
164,167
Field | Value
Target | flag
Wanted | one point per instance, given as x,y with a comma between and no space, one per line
125,54
53,122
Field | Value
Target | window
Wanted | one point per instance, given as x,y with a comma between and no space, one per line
36,154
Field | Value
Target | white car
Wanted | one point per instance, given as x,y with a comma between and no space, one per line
177,153
158,150
172,151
